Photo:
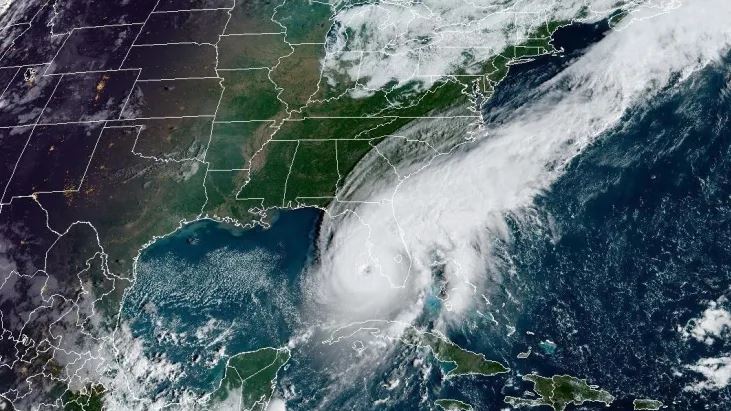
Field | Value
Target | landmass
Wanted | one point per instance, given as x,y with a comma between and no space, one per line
465,362
334,128
453,405
462,361
176,116
249,379
91,398
559,391
525,354
647,404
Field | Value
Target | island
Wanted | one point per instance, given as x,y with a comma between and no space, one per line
465,362
559,391
461,361
453,405
647,404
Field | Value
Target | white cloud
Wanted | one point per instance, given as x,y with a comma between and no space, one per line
717,372
714,323
403,41
134,375
277,404
377,259
4,4
6,20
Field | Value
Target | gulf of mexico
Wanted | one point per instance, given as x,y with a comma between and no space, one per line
211,290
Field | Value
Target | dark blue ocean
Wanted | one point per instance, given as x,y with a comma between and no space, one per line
626,248
644,218
632,242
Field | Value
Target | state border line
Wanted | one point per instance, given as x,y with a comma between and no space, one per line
273,33
193,43
129,95
19,66
233,121
30,135
244,69
173,43
189,10
71,73
30,24
86,170
118,120
152,80
124,59
68,35
215,113
101,26
10,83
349,118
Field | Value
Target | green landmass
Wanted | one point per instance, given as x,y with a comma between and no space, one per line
304,21
464,362
457,360
249,95
297,76
304,107
246,52
249,378
311,115
270,184
453,405
129,200
559,391
258,154
647,404
232,144
270,146
91,398
254,17
314,172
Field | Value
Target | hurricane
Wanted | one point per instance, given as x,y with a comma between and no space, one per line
386,247
399,205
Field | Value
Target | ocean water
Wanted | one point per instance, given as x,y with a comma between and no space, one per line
334,378
633,242
212,290
627,247
621,253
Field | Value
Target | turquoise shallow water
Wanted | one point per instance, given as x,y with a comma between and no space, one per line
212,290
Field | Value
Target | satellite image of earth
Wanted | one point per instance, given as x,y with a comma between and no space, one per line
365,205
